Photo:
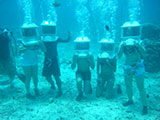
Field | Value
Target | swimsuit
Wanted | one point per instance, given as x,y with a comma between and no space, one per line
29,58
84,75
137,69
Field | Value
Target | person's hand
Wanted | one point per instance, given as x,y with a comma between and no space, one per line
108,62
22,48
123,43
136,43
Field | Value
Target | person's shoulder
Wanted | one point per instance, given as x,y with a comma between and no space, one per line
58,39
90,55
141,42
76,54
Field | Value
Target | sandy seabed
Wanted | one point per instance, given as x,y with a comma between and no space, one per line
15,106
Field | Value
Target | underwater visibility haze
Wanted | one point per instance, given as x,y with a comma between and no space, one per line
88,59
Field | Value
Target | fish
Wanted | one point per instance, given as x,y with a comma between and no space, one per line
107,27
56,4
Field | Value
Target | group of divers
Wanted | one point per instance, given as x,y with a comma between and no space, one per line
82,60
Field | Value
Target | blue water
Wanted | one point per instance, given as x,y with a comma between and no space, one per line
12,14
75,15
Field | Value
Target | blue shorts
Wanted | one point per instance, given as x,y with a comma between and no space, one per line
136,70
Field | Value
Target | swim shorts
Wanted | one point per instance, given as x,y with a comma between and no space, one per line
51,67
136,70
84,75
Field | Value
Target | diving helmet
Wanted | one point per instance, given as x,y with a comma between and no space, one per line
131,30
82,44
48,27
29,30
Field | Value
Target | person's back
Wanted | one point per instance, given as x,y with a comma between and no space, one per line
51,62
83,63
51,49
107,65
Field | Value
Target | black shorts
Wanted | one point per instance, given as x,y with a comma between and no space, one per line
51,67
84,75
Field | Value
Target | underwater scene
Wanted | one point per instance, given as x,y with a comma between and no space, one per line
79,60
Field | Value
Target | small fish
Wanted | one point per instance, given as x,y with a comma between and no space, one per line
107,27
56,4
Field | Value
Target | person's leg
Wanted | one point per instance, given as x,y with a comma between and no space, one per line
56,73
27,72
128,83
109,86
87,82
48,71
35,78
79,87
100,87
59,85
49,79
87,87
140,86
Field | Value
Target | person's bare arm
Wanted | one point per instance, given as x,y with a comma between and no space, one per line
42,46
120,50
141,49
98,65
74,61
30,44
21,49
91,61
65,40
114,64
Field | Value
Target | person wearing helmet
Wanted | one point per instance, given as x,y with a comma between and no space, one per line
7,56
84,61
29,49
134,53
106,66
51,62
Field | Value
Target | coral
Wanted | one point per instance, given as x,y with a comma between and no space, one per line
151,38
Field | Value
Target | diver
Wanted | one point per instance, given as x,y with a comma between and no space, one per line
28,50
106,67
7,57
134,53
8,53
51,62
83,60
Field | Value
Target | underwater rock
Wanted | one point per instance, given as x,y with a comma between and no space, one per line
151,31
151,39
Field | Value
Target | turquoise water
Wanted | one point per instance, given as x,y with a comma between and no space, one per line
91,17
